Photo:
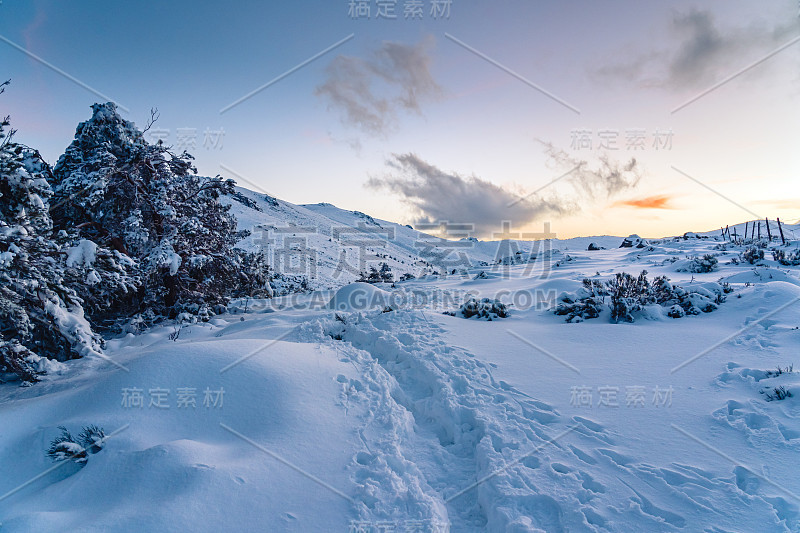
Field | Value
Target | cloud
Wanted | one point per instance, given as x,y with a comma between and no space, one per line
649,202
370,93
702,48
635,69
436,196
704,53
32,29
602,182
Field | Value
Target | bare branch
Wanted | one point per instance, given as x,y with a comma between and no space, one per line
154,116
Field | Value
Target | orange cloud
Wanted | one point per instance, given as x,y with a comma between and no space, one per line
650,202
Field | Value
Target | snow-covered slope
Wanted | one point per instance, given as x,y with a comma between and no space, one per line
408,418
327,245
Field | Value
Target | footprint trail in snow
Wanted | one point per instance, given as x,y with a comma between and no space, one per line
444,442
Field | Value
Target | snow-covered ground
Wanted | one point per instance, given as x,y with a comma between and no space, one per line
303,414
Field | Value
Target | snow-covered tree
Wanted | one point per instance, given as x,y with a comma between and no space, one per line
40,316
375,275
386,274
254,276
160,237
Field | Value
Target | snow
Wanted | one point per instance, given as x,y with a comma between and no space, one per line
74,327
174,263
92,278
6,258
359,297
337,413
165,256
82,254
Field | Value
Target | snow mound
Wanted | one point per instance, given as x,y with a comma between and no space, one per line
359,297
762,275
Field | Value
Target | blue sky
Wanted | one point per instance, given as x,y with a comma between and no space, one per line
435,130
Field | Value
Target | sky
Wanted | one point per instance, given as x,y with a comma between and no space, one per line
614,117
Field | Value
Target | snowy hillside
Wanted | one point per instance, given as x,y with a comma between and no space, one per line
329,246
332,247
389,415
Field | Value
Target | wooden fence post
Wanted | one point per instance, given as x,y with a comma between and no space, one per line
769,233
781,230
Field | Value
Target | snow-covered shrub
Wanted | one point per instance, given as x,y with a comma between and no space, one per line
676,311
707,263
629,297
485,308
586,303
777,393
92,438
752,255
283,284
244,200
626,294
779,371
792,259
66,447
